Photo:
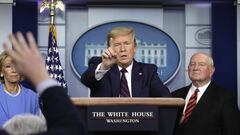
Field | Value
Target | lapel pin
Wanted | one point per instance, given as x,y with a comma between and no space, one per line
140,73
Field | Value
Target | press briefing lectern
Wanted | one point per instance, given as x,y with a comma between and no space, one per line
142,116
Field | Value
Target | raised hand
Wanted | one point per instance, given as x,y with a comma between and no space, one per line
26,57
108,58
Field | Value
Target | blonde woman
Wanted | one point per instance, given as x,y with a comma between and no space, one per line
14,98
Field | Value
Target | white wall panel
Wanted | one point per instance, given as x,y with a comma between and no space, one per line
198,13
198,31
152,16
76,24
6,1
5,23
198,36
43,32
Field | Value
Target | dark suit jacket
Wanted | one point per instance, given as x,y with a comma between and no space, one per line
145,81
216,113
61,115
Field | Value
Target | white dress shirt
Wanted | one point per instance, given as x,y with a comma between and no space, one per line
192,90
128,75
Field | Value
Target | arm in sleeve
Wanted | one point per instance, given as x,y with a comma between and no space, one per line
158,89
62,116
88,77
99,73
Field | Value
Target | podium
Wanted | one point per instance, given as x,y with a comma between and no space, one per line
115,116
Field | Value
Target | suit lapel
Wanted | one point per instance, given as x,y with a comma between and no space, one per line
204,100
114,79
185,92
183,95
137,75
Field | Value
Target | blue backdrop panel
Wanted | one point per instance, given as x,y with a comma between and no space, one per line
224,44
25,17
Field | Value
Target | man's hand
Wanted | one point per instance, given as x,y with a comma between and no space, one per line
108,59
26,57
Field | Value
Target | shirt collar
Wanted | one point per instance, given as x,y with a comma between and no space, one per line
129,68
201,89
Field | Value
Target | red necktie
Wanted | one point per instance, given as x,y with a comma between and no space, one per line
190,106
124,91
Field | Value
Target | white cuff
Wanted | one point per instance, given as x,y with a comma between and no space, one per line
99,73
45,84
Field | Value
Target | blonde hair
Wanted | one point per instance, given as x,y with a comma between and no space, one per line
121,31
3,57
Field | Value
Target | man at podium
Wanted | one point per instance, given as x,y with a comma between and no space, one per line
117,74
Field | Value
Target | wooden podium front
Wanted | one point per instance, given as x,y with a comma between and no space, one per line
142,116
